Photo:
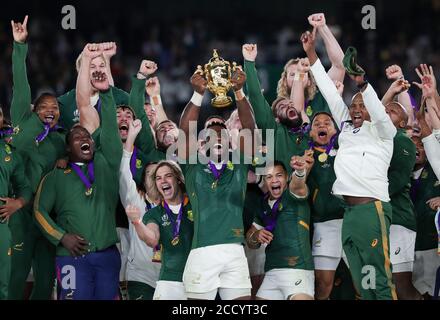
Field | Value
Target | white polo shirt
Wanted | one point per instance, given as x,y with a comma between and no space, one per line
365,153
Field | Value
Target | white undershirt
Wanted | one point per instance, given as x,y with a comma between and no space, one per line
94,99
416,174
175,208
272,202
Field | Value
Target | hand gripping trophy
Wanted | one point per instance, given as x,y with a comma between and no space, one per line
218,74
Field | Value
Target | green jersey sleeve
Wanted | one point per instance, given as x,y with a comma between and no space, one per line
21,91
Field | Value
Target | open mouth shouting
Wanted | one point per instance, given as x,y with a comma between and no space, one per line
276,190
167,191
49,118
98,76
357,120
123,130
291,114
86,148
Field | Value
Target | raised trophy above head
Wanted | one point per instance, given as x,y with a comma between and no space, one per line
218,74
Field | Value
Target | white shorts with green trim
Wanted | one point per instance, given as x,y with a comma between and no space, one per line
281,284
220,266
169,290
402,246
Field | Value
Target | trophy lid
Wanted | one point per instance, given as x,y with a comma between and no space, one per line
216,60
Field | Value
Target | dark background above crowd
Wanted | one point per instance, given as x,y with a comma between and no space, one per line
179,35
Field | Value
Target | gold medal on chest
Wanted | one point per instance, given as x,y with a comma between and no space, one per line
323,157
89,192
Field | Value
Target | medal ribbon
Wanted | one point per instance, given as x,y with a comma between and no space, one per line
328,147
437,225
217,173
45,132
415,187
6,132
98,106
271,220
90,172
133,162
176,223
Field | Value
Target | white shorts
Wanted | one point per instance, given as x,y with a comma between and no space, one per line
327,244
402,245
425,270
281,284
256,259
221,266
169,290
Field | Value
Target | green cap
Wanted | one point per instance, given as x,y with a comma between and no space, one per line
350,63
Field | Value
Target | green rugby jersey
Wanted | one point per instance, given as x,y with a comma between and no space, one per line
422,190
287,143
62,193
290,247
173,257
69,114
324,206
12,174
39,158
218,207
145,140
399,176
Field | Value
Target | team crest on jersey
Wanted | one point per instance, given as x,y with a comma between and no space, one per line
8,149
190,215
230,166
76,116
165,221
16,129
424,174
237,232
67,171
138,164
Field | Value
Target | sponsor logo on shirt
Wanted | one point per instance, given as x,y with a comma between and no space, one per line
356,130
318,242
165,221
374,243
292,261
298,282
397,251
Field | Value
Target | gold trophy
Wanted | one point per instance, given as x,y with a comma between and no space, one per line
218,74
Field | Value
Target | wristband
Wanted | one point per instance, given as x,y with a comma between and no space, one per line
156,100
239,95
197,99
300,174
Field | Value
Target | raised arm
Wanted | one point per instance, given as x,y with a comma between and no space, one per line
148,233
88,116
192,109
262,110
152,87
301,168
21,91
394,73
111,145
326,86
128,192
334,50
108,51
396,88
145,140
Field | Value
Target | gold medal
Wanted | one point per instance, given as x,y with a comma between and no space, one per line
175,241
7,158
323,157
89,191
214,185
157,256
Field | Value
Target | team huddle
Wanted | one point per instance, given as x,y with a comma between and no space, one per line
94,202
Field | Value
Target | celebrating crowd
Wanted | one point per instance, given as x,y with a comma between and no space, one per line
97,199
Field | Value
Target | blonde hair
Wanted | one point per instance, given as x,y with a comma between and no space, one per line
284,91
151,178
79,59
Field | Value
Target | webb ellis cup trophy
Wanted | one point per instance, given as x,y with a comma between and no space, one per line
218,74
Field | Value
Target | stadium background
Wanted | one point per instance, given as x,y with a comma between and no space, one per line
179,35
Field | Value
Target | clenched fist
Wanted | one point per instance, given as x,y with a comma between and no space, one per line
249,52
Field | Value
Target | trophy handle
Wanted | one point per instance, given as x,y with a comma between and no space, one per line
199,70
